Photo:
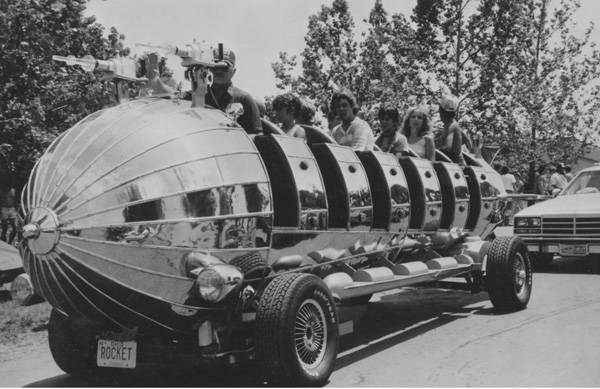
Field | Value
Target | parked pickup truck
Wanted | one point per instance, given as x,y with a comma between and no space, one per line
568,225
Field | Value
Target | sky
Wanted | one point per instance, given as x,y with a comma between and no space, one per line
256,30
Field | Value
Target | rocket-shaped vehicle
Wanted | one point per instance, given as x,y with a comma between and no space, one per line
157,228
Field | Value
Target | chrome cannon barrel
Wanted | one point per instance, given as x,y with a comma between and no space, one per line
117,203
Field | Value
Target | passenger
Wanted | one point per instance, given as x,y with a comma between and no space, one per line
452,139
391,140
287,106
558,181
306,114
352,131
417,129
508,179
568,174
222,93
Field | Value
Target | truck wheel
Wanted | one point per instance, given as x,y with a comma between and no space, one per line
541,260
296,331
508,274
72,351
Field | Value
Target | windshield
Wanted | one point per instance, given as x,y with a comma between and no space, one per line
588,182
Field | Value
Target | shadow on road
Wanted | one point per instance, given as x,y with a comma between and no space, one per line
401,316
388,320
572,265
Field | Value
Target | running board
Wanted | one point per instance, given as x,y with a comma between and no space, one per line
361,288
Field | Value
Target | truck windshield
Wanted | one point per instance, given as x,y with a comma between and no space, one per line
587,182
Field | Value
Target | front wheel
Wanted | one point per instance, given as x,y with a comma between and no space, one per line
296,331
72,348
508,274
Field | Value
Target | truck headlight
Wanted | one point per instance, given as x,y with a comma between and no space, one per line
214,283
521,222
527,225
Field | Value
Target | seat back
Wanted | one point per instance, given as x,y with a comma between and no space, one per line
455,195
389,189
348,192
425,194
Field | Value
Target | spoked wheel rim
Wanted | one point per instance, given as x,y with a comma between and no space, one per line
520,274
310,334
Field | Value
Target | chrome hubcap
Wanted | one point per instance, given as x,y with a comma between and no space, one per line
310,334
520,273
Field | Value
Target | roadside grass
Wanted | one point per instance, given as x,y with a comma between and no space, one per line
16,320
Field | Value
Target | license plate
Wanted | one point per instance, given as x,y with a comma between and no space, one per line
115,353
573,249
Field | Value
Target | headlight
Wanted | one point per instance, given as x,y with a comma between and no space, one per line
215,282
527,225
521,222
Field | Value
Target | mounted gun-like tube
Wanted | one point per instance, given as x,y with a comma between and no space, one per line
116,69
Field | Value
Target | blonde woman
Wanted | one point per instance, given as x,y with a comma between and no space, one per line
417,129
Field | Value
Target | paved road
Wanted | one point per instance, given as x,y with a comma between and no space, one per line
430,337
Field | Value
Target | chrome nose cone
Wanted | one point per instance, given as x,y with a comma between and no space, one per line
41,231
31,231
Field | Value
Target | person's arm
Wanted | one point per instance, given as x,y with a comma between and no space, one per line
250,119
400,146
360,136
429,148
514,184
300,133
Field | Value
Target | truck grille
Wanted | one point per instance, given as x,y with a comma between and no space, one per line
587,225
571,226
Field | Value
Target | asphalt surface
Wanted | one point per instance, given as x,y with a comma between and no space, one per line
425,337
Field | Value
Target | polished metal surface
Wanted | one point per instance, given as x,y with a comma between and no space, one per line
308,182
491,187
458,195
429,186
118,201
357,186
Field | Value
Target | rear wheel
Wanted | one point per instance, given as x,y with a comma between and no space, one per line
296,331
508,274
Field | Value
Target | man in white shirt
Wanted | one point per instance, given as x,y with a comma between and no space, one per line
508,180
353,131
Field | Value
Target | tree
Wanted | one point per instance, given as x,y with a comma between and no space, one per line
39,99
384,69
328,59
536,97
